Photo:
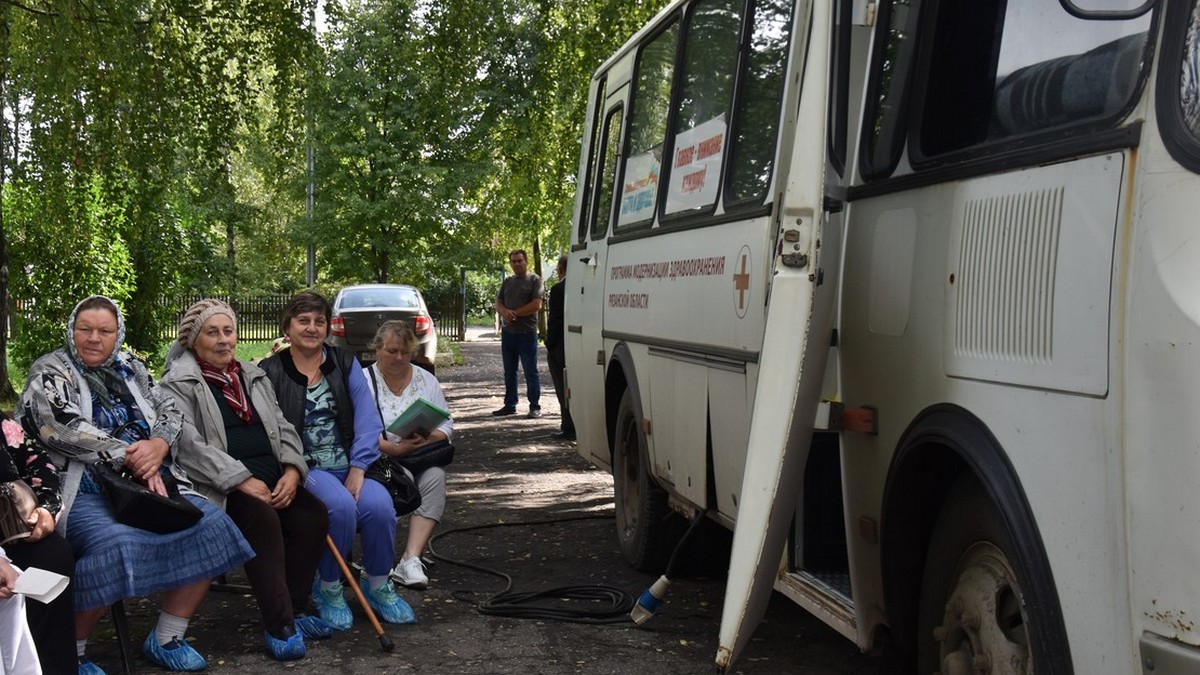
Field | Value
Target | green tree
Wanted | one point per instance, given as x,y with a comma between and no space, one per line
125,123
447,133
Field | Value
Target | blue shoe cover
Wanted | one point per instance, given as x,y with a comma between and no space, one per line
313,628
389,607
331,605
86,667
285,650
176,655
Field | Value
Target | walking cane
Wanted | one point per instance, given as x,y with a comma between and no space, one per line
385,642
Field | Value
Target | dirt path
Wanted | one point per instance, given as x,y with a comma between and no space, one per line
506,472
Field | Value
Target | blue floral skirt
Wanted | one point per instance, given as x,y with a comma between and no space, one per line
115,561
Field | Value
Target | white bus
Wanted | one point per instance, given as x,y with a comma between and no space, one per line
907,294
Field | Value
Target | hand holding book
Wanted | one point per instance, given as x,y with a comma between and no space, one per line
422,417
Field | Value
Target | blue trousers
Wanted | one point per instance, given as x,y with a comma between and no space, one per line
522,346
373,514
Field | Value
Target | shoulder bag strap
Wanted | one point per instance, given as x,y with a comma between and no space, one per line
375,393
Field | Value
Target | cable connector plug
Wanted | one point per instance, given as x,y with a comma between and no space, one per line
650,600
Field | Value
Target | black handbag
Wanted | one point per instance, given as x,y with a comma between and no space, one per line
403,489
437,453
138,506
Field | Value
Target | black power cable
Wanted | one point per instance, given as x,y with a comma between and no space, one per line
547,604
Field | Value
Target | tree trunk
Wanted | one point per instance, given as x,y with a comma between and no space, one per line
537,269
7,393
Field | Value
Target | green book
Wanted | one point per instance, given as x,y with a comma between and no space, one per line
420,417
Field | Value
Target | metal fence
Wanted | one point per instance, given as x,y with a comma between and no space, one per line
258,315
449,320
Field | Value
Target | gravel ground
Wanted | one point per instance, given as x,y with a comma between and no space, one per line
507,473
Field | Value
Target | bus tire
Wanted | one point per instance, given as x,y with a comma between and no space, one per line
647,528
972,615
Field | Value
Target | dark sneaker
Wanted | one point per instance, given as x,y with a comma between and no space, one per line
534,413
176,655
562,436
504,411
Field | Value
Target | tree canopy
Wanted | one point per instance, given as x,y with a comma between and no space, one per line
151,147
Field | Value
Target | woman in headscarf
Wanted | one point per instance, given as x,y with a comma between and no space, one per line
243,455
323,393
89,400
397,385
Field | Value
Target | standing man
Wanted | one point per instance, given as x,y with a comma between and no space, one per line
518,303
556,355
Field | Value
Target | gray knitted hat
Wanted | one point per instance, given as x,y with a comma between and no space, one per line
195,316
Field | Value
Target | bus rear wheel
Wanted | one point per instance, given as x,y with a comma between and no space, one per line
972,614
647,528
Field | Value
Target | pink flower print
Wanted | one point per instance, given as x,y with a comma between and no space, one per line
14,436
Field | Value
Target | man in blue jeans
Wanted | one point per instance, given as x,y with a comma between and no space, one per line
518,304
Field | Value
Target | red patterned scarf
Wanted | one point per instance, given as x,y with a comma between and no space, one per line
230,382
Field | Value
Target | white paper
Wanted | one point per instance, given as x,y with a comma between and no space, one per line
41,585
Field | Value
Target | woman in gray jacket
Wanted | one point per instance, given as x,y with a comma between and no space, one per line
243,455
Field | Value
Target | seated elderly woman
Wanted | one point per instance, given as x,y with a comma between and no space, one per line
89,400
243,455
397,385
323,393
24,459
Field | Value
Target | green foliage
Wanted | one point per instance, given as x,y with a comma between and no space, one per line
152,147
397,142
480,292
448,133
77,222
126,119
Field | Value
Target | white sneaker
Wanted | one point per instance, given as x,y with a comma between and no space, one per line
410,572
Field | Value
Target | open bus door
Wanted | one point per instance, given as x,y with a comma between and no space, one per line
796,342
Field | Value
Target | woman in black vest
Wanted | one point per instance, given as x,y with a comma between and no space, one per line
324,394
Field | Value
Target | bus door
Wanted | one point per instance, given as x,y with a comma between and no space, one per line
584,308
796,340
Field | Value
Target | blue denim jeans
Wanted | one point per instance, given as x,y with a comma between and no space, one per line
523,346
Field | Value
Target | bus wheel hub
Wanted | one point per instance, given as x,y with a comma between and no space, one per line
983,629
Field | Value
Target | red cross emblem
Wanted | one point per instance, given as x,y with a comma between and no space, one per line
741,280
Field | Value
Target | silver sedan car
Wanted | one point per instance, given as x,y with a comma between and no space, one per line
358,311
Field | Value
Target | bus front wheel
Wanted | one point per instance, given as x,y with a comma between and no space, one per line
972,614
646,526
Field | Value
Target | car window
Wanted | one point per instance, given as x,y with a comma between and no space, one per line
366,298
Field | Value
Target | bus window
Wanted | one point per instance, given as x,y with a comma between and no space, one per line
998,70
888,93
1177,97
647,128
593,159
709,64
839,86
1189,75
602,215
758,114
